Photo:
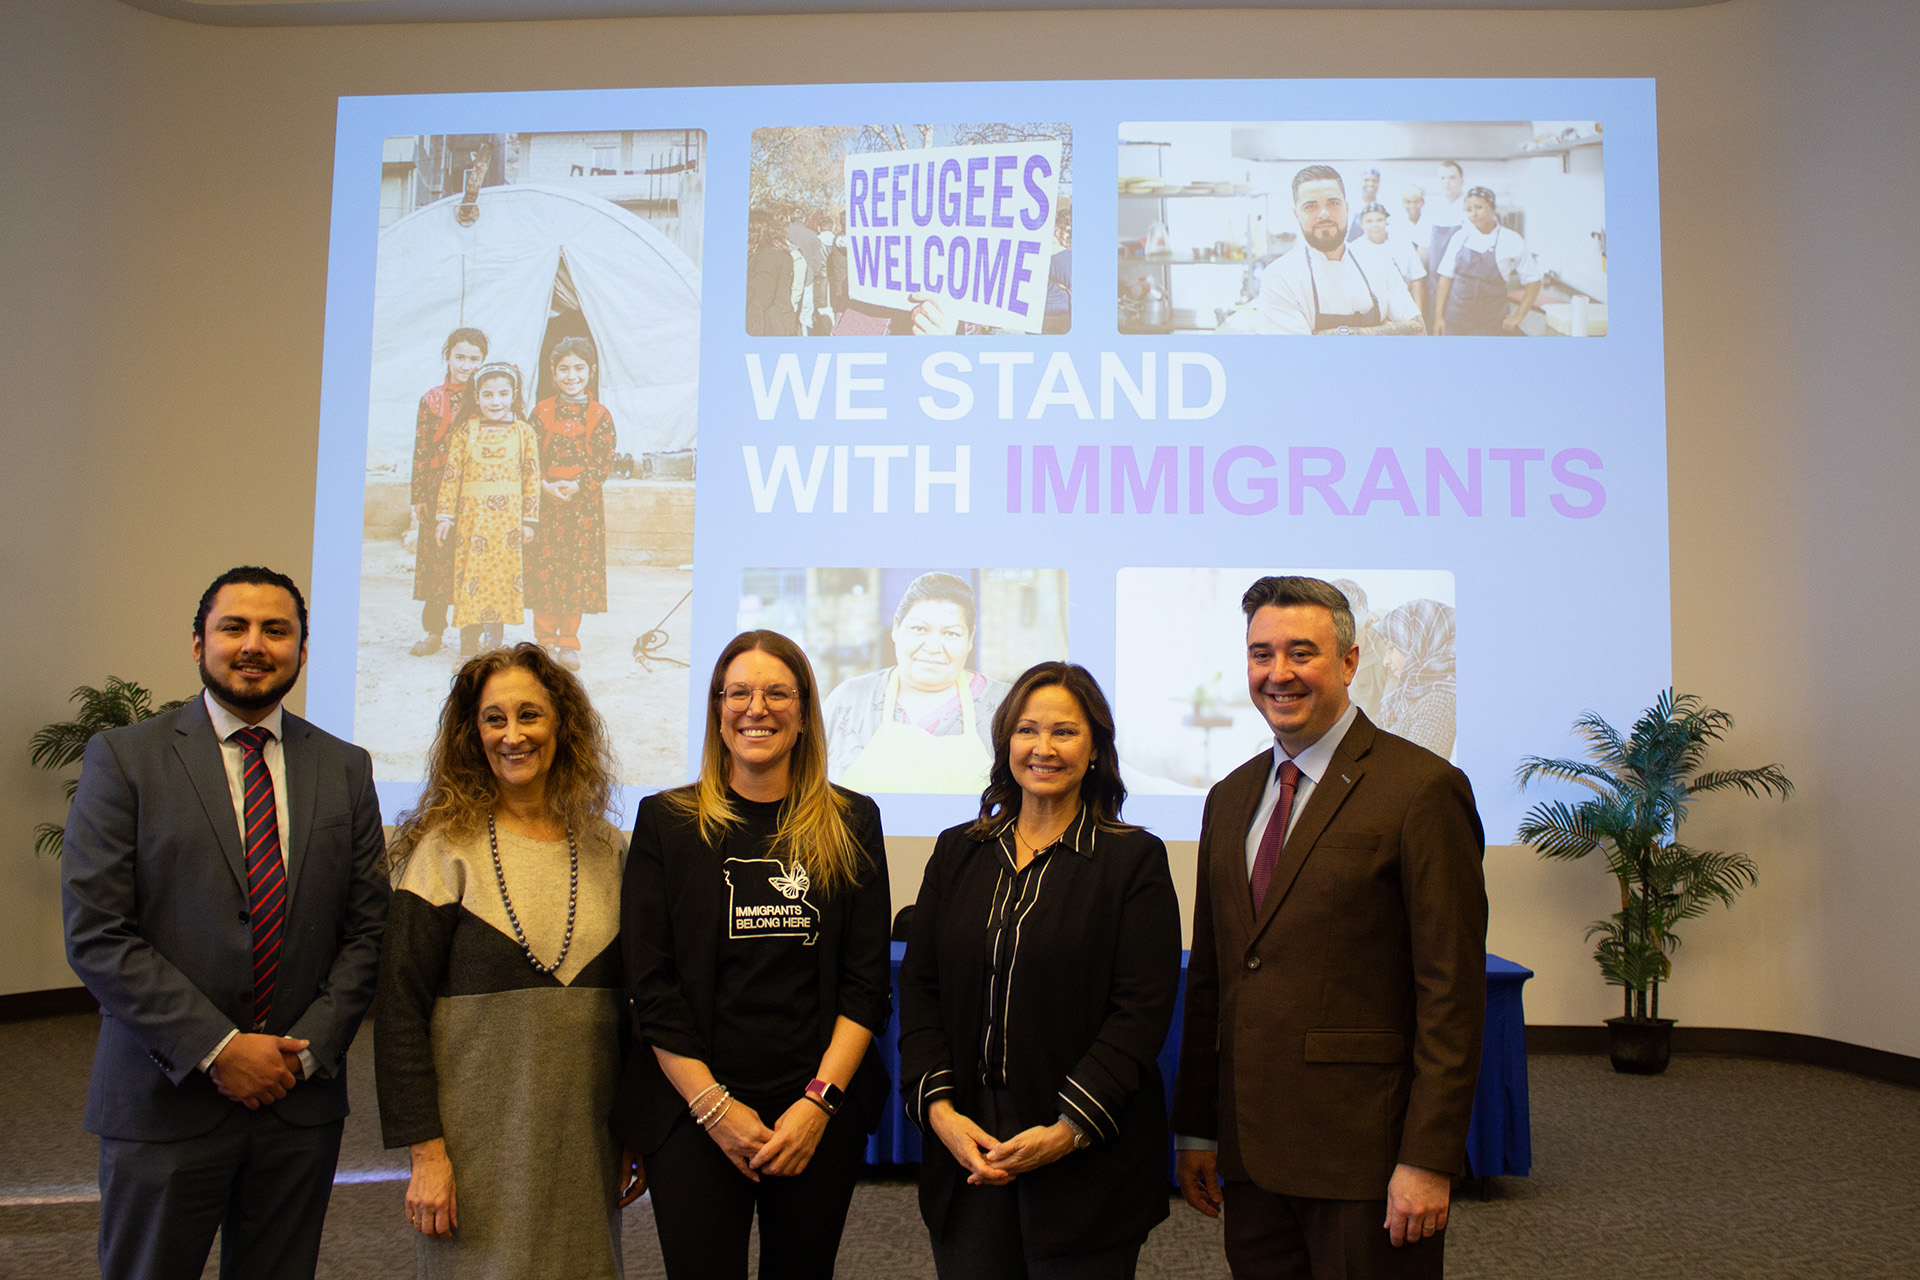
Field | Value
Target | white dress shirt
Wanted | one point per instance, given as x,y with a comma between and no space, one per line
1345,287
1313,763
225,725
1509,248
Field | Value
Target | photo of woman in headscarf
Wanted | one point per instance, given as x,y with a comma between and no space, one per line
924,724
1419,652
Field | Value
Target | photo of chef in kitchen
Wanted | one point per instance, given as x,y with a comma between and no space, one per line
1490,228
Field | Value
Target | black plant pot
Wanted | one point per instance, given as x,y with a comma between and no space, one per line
1640,1046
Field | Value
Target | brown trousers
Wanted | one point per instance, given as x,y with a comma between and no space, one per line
1275,1237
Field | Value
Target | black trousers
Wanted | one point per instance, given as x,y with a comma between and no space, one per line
703,1207
986,1235
985,1241
261,1182
1276,1237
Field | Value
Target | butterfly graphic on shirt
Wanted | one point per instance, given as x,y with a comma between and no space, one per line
792,885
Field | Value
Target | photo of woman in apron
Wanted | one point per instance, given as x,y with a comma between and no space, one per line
1473,272
923,724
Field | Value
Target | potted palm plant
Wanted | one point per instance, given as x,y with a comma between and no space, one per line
55,746
1643,784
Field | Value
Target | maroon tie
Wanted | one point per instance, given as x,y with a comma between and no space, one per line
266,872
1274,836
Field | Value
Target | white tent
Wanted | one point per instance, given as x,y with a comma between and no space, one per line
638,292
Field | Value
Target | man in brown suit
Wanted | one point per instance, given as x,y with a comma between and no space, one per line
1337,987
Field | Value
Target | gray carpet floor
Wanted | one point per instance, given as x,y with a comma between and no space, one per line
1720,1168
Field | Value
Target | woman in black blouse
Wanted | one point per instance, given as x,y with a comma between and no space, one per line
754,923
1029,1047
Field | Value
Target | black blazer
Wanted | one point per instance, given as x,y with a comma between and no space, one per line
1090,996
671,907
154,885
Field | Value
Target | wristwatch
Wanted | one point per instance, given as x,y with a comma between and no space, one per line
825,1096
1081,1139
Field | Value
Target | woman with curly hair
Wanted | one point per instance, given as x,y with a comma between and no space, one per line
754,928
498,1040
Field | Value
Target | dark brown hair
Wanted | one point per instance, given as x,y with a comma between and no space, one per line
251,575
1101,790
1286,591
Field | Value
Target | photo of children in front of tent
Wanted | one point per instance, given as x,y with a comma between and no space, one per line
545,289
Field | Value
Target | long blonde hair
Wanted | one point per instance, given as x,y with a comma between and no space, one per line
813,828
460,790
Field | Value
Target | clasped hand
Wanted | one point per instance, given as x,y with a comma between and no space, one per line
257,1069
783,1151
990,1161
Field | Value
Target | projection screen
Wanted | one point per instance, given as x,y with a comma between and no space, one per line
1164,337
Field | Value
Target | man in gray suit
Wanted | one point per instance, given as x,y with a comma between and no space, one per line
224,896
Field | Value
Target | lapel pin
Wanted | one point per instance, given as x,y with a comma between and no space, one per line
1344,778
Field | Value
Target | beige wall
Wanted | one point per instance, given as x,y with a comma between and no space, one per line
164,196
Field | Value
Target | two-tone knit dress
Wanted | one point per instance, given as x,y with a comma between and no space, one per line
514,1067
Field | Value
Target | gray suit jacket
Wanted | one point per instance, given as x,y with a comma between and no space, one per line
153,880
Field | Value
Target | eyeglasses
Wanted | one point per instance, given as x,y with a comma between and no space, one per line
739,697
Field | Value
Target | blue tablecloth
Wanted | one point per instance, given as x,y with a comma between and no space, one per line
1499,1141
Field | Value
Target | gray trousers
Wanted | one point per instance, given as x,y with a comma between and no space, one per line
259,1181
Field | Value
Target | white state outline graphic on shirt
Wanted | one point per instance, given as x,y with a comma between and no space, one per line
786,900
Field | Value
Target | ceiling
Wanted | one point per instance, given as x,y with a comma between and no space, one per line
261,13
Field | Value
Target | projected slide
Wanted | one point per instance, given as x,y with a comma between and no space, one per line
575,394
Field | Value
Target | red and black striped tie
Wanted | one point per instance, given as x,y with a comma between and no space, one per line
266,870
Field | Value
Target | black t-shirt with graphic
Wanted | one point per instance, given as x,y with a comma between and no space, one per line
766,1027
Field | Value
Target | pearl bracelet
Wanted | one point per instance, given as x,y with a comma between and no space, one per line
715,1111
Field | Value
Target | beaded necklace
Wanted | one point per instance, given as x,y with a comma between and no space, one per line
573,899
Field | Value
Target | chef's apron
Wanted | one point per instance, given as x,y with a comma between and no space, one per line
1436,250
1367,319
1477,303
905,757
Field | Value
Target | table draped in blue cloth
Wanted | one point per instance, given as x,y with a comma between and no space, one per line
1499,1141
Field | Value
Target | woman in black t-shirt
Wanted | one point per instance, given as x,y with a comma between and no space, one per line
754,926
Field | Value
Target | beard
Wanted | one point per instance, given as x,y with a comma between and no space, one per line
248,699
1325,239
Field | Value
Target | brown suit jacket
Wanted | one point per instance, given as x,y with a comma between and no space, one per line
1338,1034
